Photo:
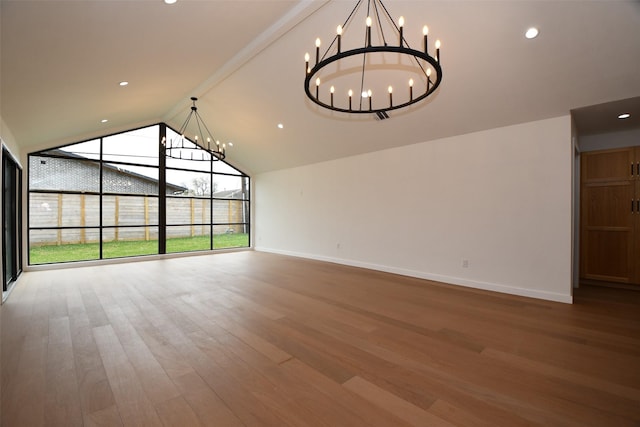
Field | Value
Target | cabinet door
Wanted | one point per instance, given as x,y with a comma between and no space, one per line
608,223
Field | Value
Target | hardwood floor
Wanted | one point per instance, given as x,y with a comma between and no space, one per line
256,339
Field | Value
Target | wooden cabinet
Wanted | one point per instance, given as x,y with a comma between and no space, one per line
610,215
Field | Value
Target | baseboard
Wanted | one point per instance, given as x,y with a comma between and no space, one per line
129,259
626,286
495,287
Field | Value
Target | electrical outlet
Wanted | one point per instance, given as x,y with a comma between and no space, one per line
465,263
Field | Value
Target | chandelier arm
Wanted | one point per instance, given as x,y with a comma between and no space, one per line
198,122
351,14
364,61
364,56
390,20
184,128
375,8
403,39
208,131
343,26
184,124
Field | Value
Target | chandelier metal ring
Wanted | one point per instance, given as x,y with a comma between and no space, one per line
364,51
393,62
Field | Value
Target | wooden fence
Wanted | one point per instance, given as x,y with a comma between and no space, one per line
120,213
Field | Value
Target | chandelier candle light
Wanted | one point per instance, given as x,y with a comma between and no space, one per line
372,68
203,146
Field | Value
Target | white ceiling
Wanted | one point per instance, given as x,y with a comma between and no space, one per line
62,61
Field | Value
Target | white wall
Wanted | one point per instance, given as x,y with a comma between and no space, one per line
8,139
500,199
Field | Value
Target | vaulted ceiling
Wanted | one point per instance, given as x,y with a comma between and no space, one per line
62,61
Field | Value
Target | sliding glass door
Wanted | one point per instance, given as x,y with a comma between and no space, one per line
11,219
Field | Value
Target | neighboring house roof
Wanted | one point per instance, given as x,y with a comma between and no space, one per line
228,194
173,188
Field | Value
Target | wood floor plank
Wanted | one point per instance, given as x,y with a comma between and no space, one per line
367,413
95,391
107,417
256,339
23,401
401,408
428,374
132,402
244,303
619,390
237,396
170,347
457,415
287,395
153,379
207,405
176,412
62,401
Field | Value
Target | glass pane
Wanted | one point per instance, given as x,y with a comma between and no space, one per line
137,146
130,241
11,219
229,211
63,210
247,211
129,210
79,244
48,173
188,183
82,150
230,187
188,238
223,167
188,211
230,239
130,179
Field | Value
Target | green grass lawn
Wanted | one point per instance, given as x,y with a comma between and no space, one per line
88,251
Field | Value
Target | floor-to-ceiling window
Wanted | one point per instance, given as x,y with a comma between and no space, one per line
119,196
11,219
212,211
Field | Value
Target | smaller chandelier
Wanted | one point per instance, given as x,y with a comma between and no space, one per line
351,80
202,142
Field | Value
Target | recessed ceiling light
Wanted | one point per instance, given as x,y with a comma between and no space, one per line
123,83
624,116
230,144
104,121
169,1
531,33
280,126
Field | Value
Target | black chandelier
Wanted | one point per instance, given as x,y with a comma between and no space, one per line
331,81
203,146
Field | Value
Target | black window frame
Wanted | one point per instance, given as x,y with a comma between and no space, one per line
161,196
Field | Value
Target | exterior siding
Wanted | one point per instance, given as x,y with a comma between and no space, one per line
52,173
